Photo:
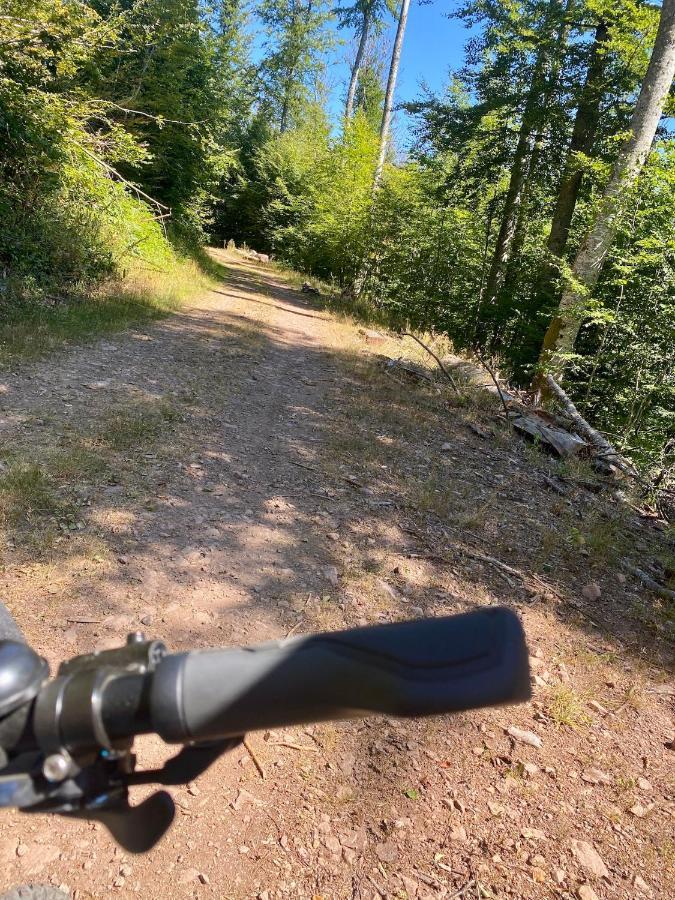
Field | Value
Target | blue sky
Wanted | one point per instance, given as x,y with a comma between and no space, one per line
433,45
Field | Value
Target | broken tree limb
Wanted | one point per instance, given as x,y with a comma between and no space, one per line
409,370
432,354
649,582
497,385
595,438
561,441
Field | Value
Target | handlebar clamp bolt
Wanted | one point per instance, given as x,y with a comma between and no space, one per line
56,767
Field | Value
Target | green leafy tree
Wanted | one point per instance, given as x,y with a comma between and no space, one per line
297,39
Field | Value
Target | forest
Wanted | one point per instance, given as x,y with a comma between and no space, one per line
528,216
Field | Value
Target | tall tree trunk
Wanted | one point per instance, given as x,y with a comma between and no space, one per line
391,87
564,328
356,68
541,88
582,140
285,109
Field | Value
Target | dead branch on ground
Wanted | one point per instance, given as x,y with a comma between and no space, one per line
432,354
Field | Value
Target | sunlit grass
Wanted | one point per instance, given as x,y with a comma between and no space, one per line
33,330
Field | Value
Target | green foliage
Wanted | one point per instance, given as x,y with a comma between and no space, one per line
123,118
297,38
115,117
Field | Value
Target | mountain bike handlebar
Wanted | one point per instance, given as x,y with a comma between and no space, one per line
406,669
65,743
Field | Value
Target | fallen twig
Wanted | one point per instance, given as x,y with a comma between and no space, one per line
293,629
295,462
462,890
256,761
496,384
292,746
377,887
432,354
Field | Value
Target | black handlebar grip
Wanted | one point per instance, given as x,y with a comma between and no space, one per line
414,668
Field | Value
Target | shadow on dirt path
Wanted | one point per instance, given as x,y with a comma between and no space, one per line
245,469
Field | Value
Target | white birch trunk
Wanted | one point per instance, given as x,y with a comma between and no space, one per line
391,88
563,330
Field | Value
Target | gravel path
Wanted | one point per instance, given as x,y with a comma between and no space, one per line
241,470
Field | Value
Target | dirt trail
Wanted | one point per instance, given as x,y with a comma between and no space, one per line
241,470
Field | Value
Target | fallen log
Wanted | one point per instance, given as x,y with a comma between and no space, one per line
562,442
408,368
594,437
649,582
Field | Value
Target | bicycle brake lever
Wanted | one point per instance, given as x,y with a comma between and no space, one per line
138,828
135,828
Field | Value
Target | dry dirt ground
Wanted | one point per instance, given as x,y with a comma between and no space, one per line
243,469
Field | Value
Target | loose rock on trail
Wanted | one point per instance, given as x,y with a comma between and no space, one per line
244,469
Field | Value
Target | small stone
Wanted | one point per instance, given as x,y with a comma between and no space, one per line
538,875
244,849
496,809
533,834
589,858
530,769
333,844
586,892
446,447
640,811
204,878
458,834
333,536
123,560
641,885
643,784
524,737
386,589
597,707
559,876
330,573
596,776
193,789
386,852
410,886
591,591
188,875
22,849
